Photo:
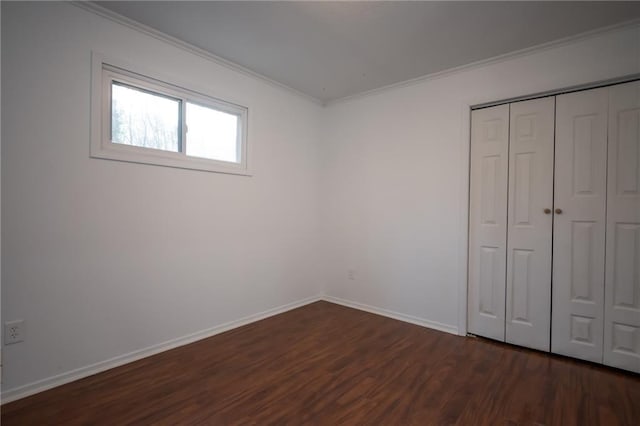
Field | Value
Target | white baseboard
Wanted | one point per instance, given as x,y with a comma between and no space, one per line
89,370
391,314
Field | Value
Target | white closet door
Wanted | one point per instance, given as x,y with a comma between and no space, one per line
488,221
580,197
528,307
622,294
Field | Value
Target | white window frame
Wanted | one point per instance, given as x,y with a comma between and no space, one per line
104,73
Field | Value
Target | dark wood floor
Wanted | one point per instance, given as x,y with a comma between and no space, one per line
326,364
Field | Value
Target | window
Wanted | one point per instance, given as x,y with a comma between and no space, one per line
144,120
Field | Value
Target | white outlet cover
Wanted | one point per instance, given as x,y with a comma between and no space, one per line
13,332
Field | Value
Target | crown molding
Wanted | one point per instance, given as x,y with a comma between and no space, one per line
92,7
96,9
491,61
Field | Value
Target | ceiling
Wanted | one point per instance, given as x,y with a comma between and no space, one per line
331,50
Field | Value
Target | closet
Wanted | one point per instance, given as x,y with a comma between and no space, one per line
554,224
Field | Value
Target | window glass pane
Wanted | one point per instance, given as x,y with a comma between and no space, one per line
212,134
144,119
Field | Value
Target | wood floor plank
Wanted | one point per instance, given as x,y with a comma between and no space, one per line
325,364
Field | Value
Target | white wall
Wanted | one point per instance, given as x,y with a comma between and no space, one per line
102,258
395,176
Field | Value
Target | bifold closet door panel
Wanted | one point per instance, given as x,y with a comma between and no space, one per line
622,279
488,221
529,233
580,197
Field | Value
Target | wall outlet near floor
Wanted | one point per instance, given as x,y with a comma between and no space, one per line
351,274
13,331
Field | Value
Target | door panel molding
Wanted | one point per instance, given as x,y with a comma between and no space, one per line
488,221
579,232
529,234
622,289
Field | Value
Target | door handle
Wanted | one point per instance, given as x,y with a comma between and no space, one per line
547,211
558,211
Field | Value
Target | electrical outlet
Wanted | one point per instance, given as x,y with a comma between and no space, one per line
351,274
13,332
